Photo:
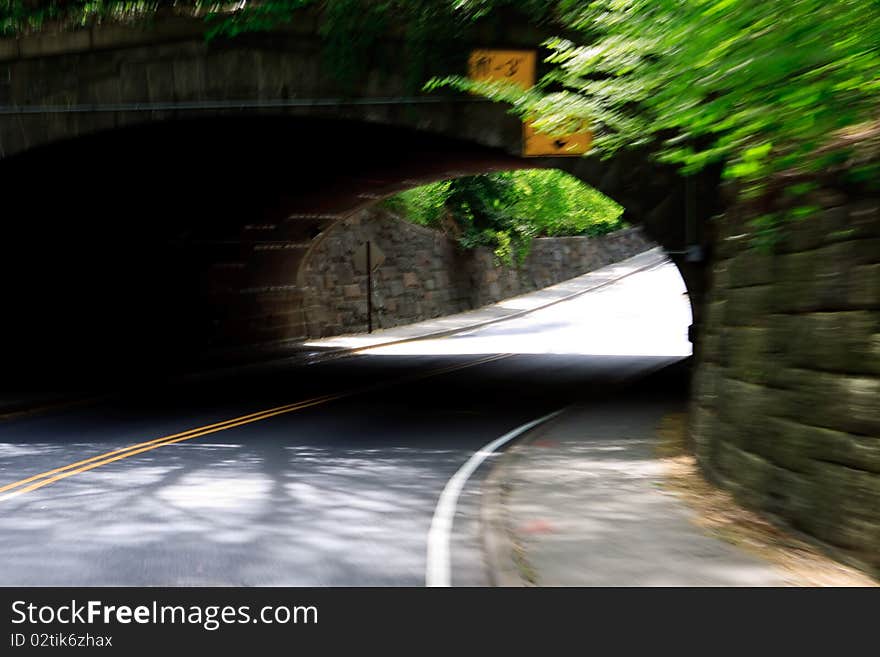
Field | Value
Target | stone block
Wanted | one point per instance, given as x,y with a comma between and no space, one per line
794,291
751,472
160,81
748,306
763,439
857,401
830,284
855,492
792,497
864,287
838,401
189,79
781,330
835,220
710,348
861,537
817,341
706,384
796,267
703,432
410,279
714,317
786,378
863,218
859,452
54,43
749,354
792,444
750,268
806,234
725,335
860,343
729,246
745,409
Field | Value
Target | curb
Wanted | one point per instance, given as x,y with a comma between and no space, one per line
505,563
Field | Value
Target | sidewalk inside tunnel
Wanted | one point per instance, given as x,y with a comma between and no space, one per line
583,501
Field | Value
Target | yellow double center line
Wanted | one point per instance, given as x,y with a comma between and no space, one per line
50,476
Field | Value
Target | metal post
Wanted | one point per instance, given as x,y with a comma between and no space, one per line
369,291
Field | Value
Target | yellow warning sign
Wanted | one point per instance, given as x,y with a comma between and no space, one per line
538,143
518,67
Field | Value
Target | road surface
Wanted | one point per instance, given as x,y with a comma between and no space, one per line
318,474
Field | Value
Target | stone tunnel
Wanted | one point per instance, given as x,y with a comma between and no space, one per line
187,235
162,189
135,129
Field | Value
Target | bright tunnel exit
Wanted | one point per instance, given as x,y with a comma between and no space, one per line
627,309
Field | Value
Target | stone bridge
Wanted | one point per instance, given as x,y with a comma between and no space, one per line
184,178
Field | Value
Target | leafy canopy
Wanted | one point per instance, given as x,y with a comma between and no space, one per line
759,85
233,18
505,211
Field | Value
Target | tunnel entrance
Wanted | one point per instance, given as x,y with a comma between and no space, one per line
163,245
153,242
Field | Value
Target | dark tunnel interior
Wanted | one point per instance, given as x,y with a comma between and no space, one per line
108,240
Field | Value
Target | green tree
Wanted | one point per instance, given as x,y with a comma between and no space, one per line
484,209
505,211
760,86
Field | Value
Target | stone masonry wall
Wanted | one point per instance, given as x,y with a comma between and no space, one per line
426,275
787,391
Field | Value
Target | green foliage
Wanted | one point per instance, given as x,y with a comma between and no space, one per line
422,205
428,30
762,87
505,211
483,208
20,16
559,204
251,17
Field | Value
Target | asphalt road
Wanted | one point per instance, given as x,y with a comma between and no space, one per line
337,492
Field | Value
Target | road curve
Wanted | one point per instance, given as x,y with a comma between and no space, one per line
310,475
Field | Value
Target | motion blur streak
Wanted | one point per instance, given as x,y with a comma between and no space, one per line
333,494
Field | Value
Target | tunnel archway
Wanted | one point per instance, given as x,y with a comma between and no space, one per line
163,241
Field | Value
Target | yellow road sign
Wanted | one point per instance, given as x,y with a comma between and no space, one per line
538,143
518,67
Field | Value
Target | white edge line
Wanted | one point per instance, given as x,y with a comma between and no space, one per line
438,568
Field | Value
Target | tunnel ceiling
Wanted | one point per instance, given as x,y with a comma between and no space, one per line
223,171
113,240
